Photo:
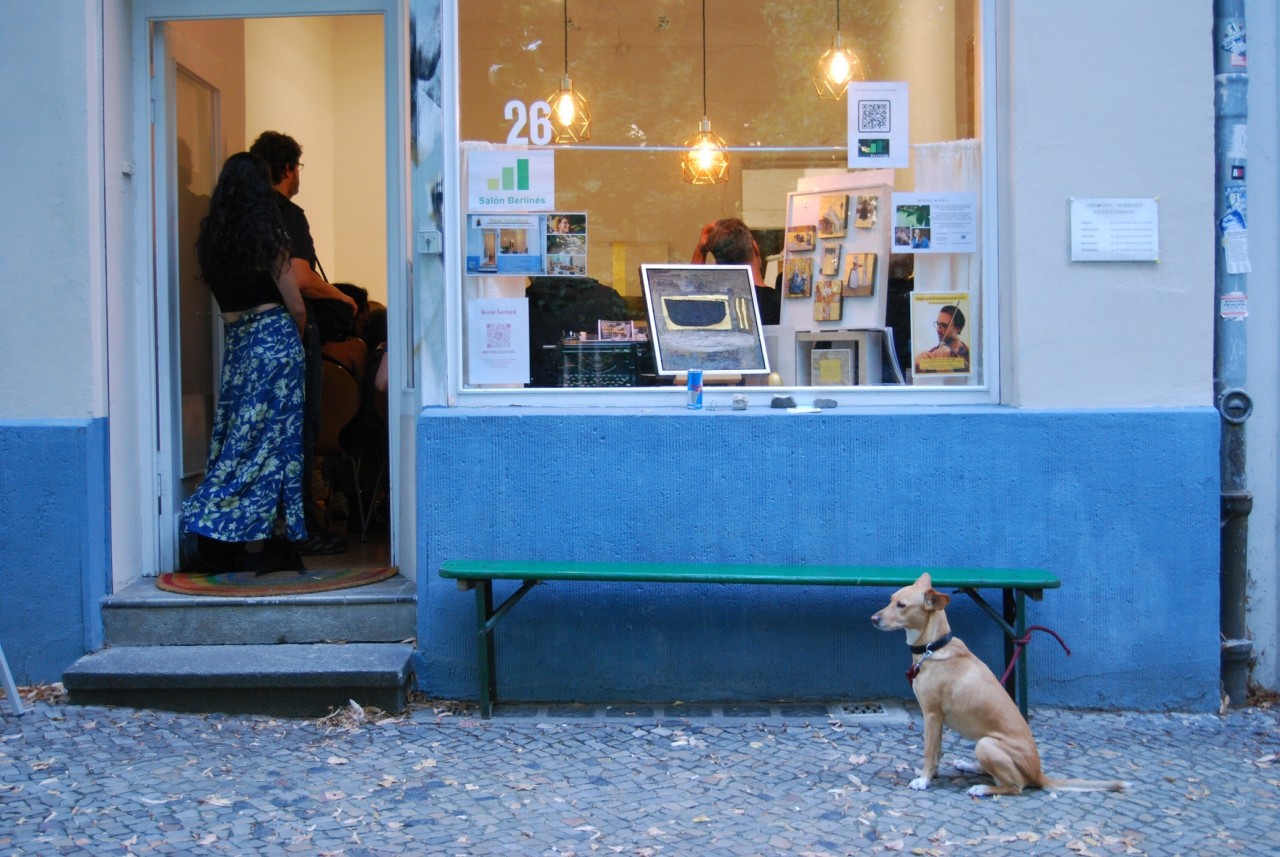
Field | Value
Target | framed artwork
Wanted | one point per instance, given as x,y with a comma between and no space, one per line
800,239
831,367
704,317
865,212
860,275
797,276
834,215
614,329
827,300
830,260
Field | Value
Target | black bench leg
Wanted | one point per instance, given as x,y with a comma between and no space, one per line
486,671
1015,617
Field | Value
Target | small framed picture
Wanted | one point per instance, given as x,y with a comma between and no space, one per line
834,210
860,275
800,239
615,329
827,302
865,212
831,367
797,276
830,260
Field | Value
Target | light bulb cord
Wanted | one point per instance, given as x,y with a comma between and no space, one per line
566,37
704,58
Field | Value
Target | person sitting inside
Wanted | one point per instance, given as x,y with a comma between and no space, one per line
729,242
560,305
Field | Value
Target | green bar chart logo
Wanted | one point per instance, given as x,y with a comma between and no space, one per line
513,178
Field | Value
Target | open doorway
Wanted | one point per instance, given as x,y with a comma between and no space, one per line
321,80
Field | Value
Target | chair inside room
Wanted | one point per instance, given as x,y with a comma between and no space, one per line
352,427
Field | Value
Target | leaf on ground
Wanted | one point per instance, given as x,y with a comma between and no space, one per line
216,800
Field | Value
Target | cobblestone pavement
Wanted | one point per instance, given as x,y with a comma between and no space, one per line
439,781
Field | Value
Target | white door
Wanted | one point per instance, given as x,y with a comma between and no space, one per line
195,120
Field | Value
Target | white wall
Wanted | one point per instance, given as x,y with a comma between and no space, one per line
1109,100
52,244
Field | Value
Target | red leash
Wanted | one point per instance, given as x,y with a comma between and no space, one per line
1021,644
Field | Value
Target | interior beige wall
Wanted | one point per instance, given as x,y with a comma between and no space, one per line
640,65
320,81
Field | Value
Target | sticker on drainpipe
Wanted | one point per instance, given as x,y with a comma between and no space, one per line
1234,305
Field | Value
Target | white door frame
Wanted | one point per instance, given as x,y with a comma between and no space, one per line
155,442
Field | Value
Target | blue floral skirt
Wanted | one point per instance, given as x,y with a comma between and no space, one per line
254,474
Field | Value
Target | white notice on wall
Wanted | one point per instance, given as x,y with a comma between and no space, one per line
878,127
1115,230
498,341
935,222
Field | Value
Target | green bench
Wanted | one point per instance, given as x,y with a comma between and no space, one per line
1015,585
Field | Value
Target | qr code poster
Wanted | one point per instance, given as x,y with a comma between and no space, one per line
878,127
498,341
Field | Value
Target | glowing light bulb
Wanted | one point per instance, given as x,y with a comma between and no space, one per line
566,110
838,69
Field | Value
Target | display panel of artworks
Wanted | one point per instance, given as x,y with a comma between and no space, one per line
704,317
797,276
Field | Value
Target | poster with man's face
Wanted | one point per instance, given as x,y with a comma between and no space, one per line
941,334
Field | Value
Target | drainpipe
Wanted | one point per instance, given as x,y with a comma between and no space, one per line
1231,267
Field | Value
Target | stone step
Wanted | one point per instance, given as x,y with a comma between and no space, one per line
287,680
142,615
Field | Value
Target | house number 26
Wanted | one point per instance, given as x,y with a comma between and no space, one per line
536,115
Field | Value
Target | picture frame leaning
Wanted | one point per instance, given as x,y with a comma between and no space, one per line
704,317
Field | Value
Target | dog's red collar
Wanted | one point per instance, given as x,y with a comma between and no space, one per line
927,652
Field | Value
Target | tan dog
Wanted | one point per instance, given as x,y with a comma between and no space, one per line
956,689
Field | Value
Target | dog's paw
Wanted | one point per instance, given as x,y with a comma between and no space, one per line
967,766
920,783
980,791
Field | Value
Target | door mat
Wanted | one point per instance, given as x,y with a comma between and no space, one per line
245,584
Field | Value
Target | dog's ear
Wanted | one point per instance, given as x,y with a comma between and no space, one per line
935,600
925,580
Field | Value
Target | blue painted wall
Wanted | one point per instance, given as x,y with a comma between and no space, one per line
54,543
1122,506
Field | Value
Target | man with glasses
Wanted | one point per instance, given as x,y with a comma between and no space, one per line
951,354
283,155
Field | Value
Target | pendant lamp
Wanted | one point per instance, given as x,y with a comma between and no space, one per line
836,68
706,162
570,112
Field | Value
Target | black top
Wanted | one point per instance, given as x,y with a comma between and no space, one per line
301,246
770,303
246,294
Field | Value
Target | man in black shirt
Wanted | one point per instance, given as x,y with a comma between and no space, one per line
284,155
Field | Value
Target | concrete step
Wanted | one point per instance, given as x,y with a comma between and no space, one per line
287,680
142,615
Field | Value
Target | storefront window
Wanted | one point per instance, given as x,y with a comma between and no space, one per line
871,276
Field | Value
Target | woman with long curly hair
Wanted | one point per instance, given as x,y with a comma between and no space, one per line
251,495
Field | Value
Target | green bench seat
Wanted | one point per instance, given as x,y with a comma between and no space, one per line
1015,584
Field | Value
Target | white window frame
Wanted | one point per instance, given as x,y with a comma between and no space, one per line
869,396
